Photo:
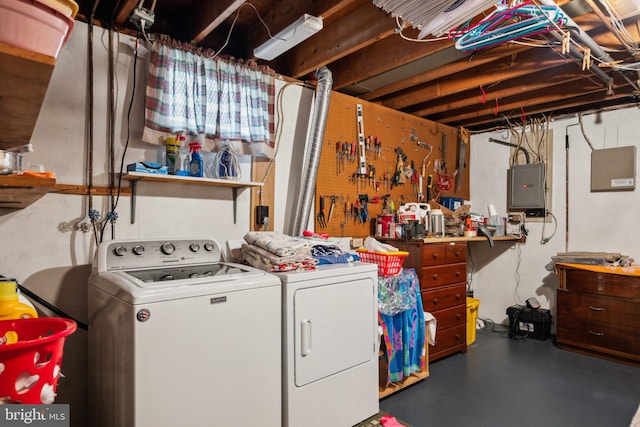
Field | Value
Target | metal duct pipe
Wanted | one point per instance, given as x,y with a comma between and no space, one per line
596,50
321,110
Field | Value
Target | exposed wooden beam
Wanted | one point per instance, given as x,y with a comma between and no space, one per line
122,15
526,84
386,54
355,31
536,59
285,12
594,101
447,70
545,96
209,15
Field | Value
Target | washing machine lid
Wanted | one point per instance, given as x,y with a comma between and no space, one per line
165,284
217,271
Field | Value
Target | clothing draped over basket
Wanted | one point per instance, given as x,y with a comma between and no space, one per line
404,331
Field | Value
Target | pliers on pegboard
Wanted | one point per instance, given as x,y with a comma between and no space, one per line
322,223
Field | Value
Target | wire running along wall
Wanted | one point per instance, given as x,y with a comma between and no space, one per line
386,132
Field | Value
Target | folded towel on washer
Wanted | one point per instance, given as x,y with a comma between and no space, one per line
278,243
260,258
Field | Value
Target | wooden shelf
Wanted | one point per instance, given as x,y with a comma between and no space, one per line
17,192
24,78
135,177
141,176
397,386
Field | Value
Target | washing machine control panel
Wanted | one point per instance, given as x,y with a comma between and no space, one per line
124,254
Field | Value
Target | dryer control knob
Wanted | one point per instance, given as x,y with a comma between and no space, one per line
138,249
209,247
168,248
194,247
120,251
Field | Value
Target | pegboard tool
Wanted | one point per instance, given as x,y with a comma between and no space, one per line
362,148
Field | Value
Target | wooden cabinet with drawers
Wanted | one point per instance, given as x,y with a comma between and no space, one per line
598,313
442,269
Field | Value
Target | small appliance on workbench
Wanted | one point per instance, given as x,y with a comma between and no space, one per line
179,337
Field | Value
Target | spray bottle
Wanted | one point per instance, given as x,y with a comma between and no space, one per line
196,165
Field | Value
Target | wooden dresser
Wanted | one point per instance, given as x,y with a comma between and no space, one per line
442,269
598,313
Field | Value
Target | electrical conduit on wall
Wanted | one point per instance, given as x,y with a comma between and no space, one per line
321,109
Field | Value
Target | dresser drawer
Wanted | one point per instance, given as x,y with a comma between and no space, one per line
443,275
577,307
449,338
445,297
434,254
450,317
456,252
604,337
613,285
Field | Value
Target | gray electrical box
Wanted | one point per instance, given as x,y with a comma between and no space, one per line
613,169
525,187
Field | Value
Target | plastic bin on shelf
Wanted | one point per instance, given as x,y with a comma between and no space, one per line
31,357
472,316
389,263
34,26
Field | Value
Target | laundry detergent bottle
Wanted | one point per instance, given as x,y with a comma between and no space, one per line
10,305
196,165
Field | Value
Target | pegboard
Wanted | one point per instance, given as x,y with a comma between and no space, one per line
338,179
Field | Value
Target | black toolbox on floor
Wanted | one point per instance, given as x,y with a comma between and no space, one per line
530,323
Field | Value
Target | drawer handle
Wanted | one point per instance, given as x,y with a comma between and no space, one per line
457,296
596,308
435,301
457,337
457,316
457,273
435,256
600,277
435,276
457,254
598,334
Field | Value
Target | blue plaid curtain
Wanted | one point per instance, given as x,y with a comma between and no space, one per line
208,98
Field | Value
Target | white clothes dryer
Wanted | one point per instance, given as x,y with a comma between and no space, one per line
330,345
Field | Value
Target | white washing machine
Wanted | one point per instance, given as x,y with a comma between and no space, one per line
330,345
179,338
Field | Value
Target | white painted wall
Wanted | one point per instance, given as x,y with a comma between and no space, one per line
602,222
56,264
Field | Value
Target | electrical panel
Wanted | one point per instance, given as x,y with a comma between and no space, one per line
525,189
613,169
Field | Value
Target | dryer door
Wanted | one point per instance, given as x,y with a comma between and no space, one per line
335,327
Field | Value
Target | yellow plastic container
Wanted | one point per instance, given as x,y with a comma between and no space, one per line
472,316
10,306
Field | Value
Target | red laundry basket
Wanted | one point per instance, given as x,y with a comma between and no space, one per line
30,358
389,263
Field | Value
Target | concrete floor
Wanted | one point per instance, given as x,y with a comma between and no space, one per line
502,382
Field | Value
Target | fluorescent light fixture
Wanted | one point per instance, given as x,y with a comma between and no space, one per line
303,28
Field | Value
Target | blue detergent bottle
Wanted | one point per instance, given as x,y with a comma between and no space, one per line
196,165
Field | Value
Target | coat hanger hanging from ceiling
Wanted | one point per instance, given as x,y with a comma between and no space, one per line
508,24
